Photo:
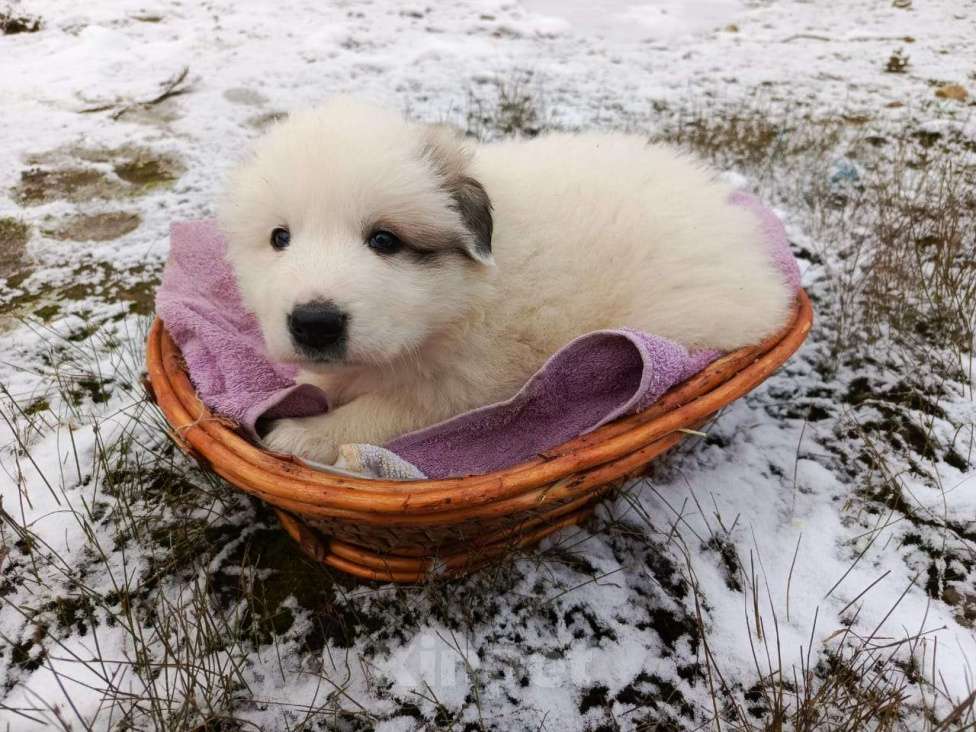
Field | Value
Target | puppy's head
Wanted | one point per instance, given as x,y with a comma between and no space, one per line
356,235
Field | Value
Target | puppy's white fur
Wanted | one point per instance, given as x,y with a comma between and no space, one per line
590,231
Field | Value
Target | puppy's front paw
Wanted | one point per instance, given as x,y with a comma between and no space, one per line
302,437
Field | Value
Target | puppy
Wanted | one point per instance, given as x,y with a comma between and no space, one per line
414,275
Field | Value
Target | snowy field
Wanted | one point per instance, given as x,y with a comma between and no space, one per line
809,564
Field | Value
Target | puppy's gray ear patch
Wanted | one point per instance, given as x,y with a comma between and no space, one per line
443,146
473,204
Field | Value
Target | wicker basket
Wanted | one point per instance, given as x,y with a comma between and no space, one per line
406,531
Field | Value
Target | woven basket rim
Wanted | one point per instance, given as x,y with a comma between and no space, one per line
287,483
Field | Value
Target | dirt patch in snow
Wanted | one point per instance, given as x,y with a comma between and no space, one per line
11,24
81,174
14,235
94,227
249,97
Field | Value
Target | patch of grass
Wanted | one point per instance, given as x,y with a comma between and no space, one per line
38,186
897,63
177,638
965,600
895,305
90,388
135,287
267,575
94,227
146,172
760,140
11,24
503,108
37,406
653,695
919,273
14,235
47,312
62,174
899,222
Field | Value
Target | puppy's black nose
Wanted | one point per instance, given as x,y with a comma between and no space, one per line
317,325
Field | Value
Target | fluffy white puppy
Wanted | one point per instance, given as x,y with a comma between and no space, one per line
414,275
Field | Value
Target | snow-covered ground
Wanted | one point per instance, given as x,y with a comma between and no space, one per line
822,537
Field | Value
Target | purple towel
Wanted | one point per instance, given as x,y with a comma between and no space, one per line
220,340
594,379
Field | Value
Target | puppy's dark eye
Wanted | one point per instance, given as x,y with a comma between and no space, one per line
383,242
280,238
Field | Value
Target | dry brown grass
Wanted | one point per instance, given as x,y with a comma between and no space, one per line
894,211
504,107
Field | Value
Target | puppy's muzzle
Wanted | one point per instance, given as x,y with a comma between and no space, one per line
318,328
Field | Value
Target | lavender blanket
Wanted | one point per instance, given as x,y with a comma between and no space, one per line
591,381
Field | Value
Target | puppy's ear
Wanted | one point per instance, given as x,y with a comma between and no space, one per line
444,147
474,206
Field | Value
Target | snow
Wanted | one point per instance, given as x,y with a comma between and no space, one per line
764,483
430,664
629,22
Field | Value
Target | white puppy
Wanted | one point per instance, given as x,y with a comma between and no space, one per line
414,275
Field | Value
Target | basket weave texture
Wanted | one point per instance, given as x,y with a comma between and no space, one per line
405,531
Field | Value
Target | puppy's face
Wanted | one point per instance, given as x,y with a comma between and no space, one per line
355,235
